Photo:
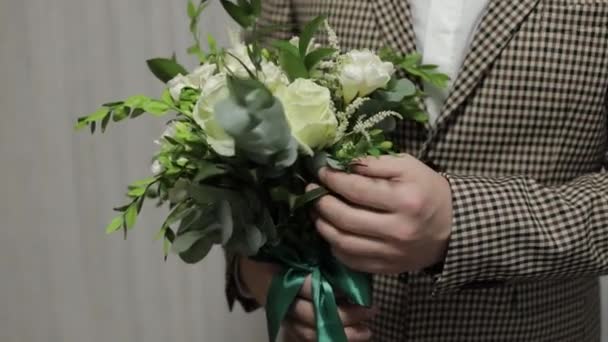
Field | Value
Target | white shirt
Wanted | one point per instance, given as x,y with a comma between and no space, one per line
444,30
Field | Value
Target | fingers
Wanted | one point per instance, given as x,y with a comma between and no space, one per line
306,290
346,243
352,219
302,312
365,191
300,323
366,264
386,167
298,333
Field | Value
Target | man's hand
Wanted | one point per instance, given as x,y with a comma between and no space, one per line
392,215
300,323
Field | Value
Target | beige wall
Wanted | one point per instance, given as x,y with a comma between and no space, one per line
61,278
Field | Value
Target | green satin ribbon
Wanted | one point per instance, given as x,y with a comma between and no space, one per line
327,275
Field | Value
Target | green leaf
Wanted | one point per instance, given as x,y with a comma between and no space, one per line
309,197
120,113
293,66
131,216
244,4
315,56
98,115
286,46
137,101
398,90
112,104
198,251
115,225
184,242
136,192
104,122
208,195
308,33
144,182
256,6
167,98
165,69
166,247
237,13
191,9
157,108
208,170
212,44
81,123
136,112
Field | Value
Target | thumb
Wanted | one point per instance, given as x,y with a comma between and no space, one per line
386,167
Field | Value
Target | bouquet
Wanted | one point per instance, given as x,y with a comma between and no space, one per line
246,132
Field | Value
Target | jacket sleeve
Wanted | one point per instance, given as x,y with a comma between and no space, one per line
277,14
514,229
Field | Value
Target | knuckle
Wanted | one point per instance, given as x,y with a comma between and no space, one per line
308,335
359,333
413,204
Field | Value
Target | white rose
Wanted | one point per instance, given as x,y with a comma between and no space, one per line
156,168
309,112
194,80
236,58
168,132
201,74
177,84
213,91
363,72
273,77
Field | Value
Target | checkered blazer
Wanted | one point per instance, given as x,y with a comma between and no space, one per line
523,140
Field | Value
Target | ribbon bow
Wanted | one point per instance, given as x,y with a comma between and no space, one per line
327,275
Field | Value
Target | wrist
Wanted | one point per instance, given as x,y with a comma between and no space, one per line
241,285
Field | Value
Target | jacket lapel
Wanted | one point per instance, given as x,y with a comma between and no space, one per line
394,20
500,22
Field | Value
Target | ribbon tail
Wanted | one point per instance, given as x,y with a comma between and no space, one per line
356,286
329,324
283,291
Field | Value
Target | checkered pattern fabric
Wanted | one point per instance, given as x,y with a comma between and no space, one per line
523,140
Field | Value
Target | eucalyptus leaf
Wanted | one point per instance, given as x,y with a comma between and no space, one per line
257,122
198,251
398,90
185,241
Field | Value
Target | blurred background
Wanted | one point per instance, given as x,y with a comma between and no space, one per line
61,278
